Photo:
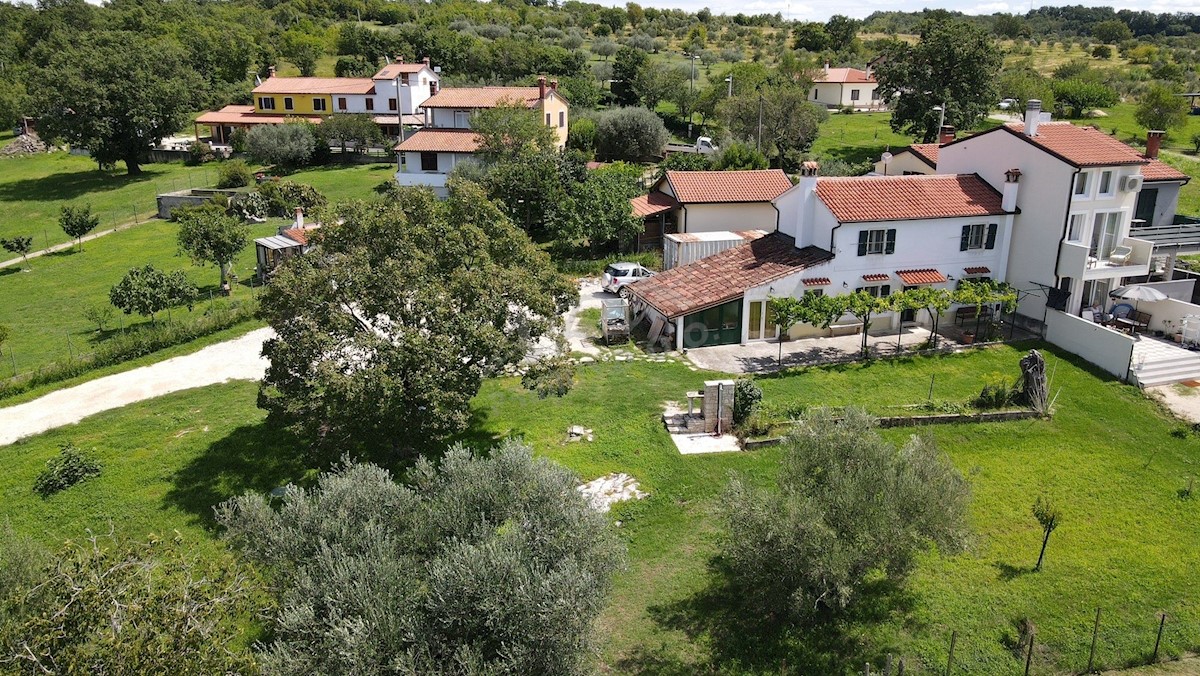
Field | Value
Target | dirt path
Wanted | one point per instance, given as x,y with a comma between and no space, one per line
238,359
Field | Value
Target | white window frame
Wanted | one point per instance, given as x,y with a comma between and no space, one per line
462,119
1096,247
876,246
1086,194
1111,175
1077,227
977,237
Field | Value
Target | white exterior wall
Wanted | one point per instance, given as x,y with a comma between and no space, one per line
444,118
838,94
1110,350
725,217
904,163
1167,203
1042,198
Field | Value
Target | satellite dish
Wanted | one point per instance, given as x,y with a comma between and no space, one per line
886,158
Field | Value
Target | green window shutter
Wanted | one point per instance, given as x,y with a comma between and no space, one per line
890,245
965,242
886,289
991,236
862,243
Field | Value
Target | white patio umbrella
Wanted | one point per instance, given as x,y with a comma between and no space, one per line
1137,293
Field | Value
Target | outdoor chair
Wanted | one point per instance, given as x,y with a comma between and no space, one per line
1120,255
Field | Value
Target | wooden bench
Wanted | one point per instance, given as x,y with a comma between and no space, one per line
969,312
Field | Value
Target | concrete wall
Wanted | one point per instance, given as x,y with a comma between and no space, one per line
904,163
724,217
168,202
1110,350
1042,197
838,94
1167,310
1179,289
1167,204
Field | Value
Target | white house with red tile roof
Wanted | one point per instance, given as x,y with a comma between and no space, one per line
839,87
837,235
918,158
427,157
709,201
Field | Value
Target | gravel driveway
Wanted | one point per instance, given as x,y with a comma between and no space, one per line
238,359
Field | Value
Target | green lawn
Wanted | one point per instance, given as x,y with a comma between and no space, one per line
1119,121
860,137
1126,543
45,305
1189,195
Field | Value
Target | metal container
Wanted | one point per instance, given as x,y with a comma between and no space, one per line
683,248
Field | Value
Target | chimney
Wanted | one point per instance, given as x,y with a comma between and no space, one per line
945,134
299,218
433,87
270,71
826,67
800,227
554,85
1008,199
1154,139
541,86
1033,115
399,59
425,61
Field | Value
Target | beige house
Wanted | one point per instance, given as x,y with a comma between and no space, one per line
839,87
710,201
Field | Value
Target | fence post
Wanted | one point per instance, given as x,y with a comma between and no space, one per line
13,358
950,658
887,665
931,378
1157,641
900,668
1029,655
1095,633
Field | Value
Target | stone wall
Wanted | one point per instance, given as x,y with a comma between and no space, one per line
718,406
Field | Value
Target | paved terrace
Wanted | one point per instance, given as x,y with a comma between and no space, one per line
757,357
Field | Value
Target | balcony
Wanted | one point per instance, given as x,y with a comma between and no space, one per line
1082,262
419,179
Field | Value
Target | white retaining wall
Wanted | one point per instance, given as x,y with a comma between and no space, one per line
1110,350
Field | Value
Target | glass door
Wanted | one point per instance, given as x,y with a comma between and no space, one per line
1105,229
762,321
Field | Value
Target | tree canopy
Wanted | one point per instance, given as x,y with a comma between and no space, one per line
209,235
481,564
396,319
954,65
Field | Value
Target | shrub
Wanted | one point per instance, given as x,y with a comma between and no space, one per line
631,134
1102,52
199,152
746,397
100,315
64,470
237,140
249,206
581,135
234,174
997,392
284,196
1196,141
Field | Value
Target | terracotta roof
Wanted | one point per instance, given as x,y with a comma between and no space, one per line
726,275
876,277
926,152
481,97
757,185
924,276
1078,146
300,234
316,85
859,199
846,75
977,270
817,281
1158,170
236,115
654,203
390,71
440,141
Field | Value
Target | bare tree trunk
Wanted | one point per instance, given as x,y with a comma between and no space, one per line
1042,555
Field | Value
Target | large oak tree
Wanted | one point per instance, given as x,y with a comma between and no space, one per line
387,329
115,93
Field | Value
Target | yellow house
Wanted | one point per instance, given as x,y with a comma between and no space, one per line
307,95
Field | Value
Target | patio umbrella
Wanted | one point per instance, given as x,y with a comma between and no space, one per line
1137,293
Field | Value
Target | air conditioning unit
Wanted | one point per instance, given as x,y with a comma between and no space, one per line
1132,183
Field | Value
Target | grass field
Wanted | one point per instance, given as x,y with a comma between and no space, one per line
1127,540
45,305
1120,119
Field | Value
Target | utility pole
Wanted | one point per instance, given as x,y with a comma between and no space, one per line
729,79
758,146
691,90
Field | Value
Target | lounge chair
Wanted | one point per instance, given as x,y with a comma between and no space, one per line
1120,255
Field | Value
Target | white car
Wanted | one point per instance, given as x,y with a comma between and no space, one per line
1007,103
618,275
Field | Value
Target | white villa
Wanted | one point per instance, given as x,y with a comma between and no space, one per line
1048,207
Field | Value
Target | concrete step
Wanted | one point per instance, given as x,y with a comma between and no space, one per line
1169,371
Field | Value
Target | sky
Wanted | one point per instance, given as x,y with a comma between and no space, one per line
814,10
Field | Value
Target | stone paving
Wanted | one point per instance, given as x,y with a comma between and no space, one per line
604,492
759,357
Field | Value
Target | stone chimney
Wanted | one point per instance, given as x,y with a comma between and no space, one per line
1033,115
826,67
946,134
554,85
399,59
425,61
1154,139
270,71
1008,199
299,218
541,86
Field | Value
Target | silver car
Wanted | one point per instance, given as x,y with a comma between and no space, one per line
618,275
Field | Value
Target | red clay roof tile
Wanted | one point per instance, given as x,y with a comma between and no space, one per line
1158,170
654,203
725,276
847,75
1080,146
926,151
860,199
316,85
876,277
756,185
482,97
923,276
440,141
817,281
977,270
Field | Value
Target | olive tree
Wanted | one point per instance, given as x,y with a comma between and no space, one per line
209,235
848,507
148,291
480,564
289,145
631,134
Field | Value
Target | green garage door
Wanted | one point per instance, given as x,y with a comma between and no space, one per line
720,325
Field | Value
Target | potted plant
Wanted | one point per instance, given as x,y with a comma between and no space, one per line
968,337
